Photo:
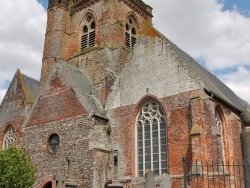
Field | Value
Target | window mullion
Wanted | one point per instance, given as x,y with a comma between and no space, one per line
143,142
151,145
130,40
159,145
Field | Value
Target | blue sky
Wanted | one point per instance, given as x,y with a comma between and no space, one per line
242,5
214,32
44,3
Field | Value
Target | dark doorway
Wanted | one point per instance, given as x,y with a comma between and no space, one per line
48,185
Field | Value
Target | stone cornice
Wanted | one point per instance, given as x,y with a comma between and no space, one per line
81,4
137,5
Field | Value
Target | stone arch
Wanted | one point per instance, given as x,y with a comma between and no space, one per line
87,29
133,15
48,185
9,136
150,135
132,29
81,19
46,182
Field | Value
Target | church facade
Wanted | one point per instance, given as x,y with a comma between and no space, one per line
117,99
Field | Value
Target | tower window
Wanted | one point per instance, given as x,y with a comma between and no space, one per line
88,37
9,138
151,140
85,29
130,33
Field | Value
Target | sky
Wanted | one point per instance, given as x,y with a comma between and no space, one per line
216,33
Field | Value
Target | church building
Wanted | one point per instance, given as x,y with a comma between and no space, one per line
118,100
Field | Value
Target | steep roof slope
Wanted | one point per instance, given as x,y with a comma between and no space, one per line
28,85
31,88
66,94
210,82
82,83
19,97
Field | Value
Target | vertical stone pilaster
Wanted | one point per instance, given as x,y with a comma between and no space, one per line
245,144
197,136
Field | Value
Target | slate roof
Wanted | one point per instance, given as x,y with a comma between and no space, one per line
30,87
83,84
210,82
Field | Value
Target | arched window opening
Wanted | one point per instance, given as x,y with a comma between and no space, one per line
85,29
88,37
92,25
219,129
54,142
48,185
9,138
130,33
151,139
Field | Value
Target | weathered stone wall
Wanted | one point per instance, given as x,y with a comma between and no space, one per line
123,134
57,101
13,110
76,135
153,68
64,31
154,71
180,142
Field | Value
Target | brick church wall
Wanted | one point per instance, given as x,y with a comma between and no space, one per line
13,110
154,72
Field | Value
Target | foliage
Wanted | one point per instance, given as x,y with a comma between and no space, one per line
16,170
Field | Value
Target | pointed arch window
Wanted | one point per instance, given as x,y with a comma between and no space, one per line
219,133
130,32
88,30
151,139
9,138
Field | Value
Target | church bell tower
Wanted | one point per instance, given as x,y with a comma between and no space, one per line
95,36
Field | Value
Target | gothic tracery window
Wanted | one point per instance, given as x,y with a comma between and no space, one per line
9,138
88,30
131,32
151,139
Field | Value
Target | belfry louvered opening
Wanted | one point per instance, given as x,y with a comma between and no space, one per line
89,35
130,33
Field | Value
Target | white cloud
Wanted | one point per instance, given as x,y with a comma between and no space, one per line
22,30
201,28
239,82
2,93
206,31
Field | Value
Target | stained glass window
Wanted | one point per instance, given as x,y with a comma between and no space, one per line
151,139
54,141
9,138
